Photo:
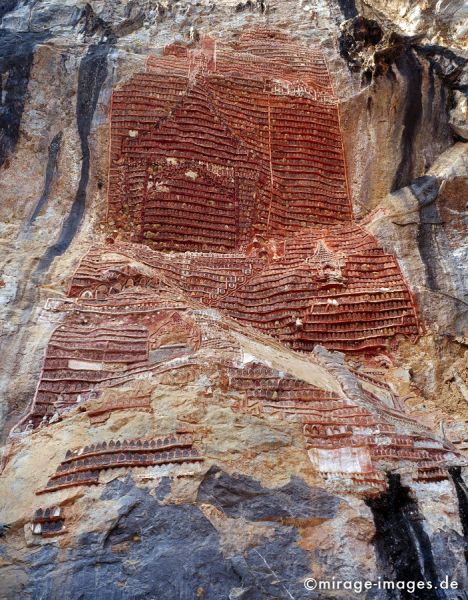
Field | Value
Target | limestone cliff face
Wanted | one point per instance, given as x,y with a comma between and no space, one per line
163,435
441,23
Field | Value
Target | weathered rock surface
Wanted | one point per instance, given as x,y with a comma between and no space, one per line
250,497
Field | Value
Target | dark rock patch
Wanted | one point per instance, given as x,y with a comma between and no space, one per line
51,169
368,48
410,68
168,552
7,6
16,59
238,495
426,190
348,8
462,496
402,545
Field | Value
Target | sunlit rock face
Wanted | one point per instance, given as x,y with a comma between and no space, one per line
233,299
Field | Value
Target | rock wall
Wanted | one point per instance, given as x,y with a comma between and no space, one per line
158,442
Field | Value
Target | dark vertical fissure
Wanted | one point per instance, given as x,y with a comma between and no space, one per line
409,67
16,59
462,496
92,75
403,547
54,149
426,191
